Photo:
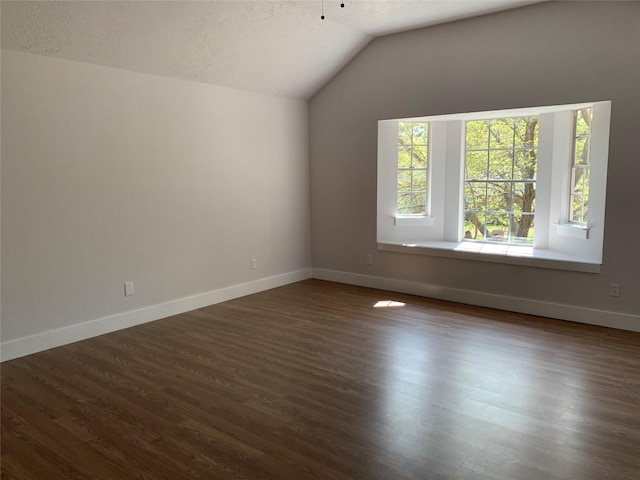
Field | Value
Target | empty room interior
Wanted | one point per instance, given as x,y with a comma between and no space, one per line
290,240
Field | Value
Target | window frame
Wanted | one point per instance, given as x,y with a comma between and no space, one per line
487,180
412,169
579,166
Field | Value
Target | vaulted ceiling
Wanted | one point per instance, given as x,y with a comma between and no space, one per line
275,47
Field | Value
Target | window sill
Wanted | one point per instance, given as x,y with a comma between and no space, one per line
413,220
497,253
572,230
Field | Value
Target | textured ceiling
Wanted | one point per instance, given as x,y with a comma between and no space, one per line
275,47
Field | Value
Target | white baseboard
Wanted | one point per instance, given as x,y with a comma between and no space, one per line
73,333
603,318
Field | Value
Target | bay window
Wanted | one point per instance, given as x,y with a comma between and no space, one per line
524,186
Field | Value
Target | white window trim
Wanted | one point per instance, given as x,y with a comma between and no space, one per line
576,230
415,220
557,243
495,253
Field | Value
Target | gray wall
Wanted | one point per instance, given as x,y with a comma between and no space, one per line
110,176
552,53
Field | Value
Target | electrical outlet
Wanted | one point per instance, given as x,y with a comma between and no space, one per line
369,259
614,289
254,264
128,289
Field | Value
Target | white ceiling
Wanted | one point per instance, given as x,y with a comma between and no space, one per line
275,47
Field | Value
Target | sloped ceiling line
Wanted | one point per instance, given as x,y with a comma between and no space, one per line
273,47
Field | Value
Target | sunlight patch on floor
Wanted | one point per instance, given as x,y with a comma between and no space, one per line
388,303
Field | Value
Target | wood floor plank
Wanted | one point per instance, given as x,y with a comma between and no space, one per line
311,381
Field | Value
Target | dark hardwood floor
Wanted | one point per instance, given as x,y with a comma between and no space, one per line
311,381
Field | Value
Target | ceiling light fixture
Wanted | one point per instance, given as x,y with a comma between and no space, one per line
322,11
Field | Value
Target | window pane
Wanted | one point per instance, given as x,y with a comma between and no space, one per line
498,227
418,204
474,223
521,133
498,197
404,181
419,156
579,184
502,133
575,179
404,203
525,164
522,228
404,156
526,132
404,133
477,134
420,131
500,164
585,181
583,121
581,151
419,181
475,196
524,197
579,205
583,134
585,210
476,165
